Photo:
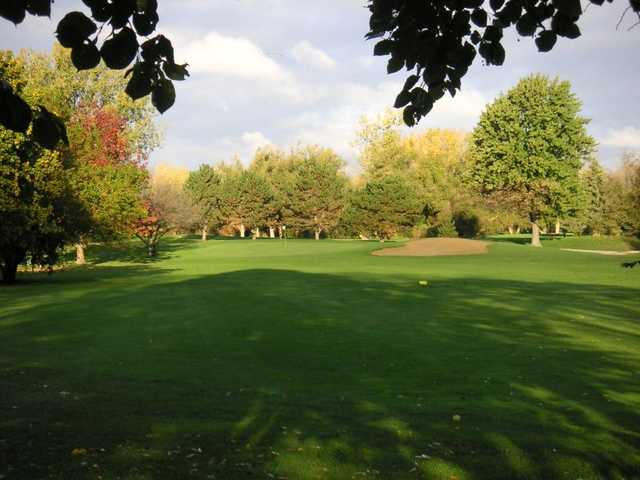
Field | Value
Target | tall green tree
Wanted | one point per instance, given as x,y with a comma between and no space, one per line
37,202
276,167
531,143
318,196
247,201
382,207
205,188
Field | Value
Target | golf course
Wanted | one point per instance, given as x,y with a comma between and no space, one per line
295,359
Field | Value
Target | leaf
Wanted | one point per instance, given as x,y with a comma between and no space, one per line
383,47
74,29
175,71
85,56
163,95
122,10
41,8
411,82
13,10
140,82
47,129
403,99
120,50
395,64
157,48
408,116
564,26
570,8
15,113
492,33
527,25
101,10
546,40
492,52
479,17
145,23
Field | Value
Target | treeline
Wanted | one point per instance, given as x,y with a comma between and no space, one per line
516,171
411,185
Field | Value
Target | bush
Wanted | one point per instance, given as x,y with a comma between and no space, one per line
467,224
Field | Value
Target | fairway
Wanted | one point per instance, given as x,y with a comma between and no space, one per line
240,359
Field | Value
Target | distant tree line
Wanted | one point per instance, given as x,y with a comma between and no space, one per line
527,166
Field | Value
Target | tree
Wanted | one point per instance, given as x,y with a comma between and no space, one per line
205,188
384,206
382,152
437,41
110,137
167,208
152,73
247,200
276,167
319,190
531,143
36,203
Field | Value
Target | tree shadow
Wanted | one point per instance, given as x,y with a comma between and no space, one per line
260,373
133,251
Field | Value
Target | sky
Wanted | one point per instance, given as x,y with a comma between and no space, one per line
289,72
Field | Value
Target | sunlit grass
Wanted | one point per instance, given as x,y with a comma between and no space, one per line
308,360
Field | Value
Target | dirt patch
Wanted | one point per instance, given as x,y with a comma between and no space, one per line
435,247
602,252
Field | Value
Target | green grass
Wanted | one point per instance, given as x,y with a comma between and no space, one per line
252,359
618,244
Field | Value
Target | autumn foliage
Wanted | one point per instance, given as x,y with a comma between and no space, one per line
101,139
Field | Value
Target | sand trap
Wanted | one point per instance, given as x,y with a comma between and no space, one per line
435,247
603,252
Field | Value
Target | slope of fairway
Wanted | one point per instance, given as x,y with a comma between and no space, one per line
316,360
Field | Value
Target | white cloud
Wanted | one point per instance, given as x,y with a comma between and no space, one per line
255,140
626,137
307,54
231,56
336,127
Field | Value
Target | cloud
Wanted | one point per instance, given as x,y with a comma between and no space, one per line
254,140
231,56
626,137
306,54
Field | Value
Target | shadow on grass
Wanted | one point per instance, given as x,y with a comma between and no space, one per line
133,251
295,375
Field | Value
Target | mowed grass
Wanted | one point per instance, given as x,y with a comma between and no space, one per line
315,360
614,244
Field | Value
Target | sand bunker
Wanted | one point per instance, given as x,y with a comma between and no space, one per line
435,247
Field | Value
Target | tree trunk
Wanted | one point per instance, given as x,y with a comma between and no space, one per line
535,234
558,226
510,230
9,271
242,230
518,230
272,232
256,233
205,232
151,249
279,231
80,257
317,232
